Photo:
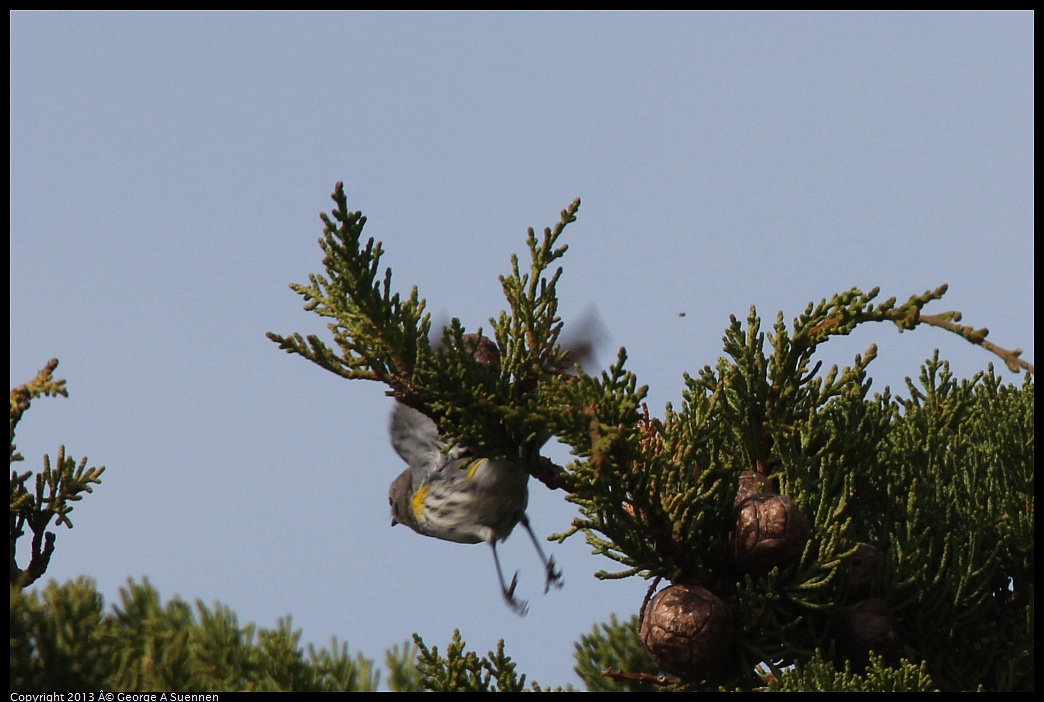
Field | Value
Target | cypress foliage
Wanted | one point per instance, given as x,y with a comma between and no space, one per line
824,533
62,640
798,531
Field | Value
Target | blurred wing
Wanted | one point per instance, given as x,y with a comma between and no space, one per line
416,439
583,338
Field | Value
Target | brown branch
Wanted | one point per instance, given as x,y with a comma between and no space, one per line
622,675
648,596
41,558
550,474
948,321
909,315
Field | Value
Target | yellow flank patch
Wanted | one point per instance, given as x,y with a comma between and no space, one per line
418,500
474,466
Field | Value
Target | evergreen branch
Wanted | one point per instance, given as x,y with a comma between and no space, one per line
669,498
614,646
380,336
529,335
55,489
63,638
23,395
845,317
819,675
464,671
656,495
948,321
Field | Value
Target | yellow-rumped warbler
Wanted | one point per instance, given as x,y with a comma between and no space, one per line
453,495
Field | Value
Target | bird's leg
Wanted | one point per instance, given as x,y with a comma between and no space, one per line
519,607
553,576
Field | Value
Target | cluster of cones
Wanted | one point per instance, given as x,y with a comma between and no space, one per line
688,628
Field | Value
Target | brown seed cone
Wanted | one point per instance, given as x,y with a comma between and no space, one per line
866,626
770,531
687,629
484,350
862,570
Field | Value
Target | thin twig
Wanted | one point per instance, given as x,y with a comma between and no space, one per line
948,321
618,675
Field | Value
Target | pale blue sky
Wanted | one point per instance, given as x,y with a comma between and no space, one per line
167,171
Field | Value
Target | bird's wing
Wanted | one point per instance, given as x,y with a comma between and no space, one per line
416,439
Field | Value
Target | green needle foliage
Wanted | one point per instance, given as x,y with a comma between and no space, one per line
62,640
460,670
56,486
383,337
917,575
920,508
613,647
821,676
